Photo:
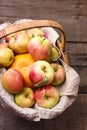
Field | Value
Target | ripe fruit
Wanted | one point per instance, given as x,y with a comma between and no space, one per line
41,73
55,54
39,48
59,74
25,98
47,96
22,63
8,37
35,32
19,41
6,57
13,81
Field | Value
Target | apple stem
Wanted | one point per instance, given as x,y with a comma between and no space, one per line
56,68
43,82
14,37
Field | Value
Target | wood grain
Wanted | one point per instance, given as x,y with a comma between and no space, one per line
77,53
72,15
74,118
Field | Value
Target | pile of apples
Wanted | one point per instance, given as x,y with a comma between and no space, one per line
32,72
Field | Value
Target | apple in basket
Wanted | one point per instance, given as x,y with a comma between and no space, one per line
39,47
41,73
47,96
8,37
59,74
12,81
18,42
25,98
6,56
55,54
35,32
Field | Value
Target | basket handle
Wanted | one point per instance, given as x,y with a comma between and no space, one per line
38,23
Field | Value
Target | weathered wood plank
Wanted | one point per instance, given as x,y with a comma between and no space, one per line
71,14
82,71
74,118
77,53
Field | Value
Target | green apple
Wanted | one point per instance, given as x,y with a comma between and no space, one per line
54,55
6,57
25,98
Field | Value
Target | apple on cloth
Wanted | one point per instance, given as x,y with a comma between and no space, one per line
13,81
66,90
25,98
59,74
47,96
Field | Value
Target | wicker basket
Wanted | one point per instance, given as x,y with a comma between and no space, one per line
68,90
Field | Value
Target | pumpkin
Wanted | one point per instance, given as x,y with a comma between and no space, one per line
22,63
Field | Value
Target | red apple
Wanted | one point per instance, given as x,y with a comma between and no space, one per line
13,81
59,74
41,73
47,96
8,37
39,47
19,41
25,98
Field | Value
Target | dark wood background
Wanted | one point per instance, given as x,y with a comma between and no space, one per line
72,15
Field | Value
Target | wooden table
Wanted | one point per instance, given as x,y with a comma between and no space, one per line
72,15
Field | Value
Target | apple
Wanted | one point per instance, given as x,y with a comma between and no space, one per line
59,74
47,96
35,32
25,98
8,37
19,42
13,81
6,57
55,54
41,73
39,48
